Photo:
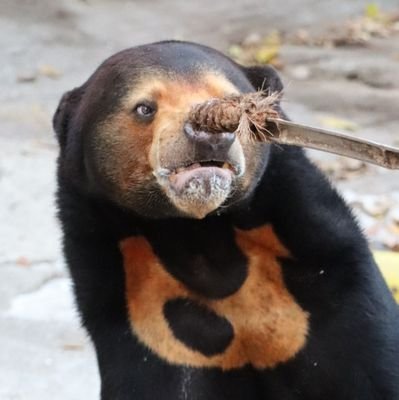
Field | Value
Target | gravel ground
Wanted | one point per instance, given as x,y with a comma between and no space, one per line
52,46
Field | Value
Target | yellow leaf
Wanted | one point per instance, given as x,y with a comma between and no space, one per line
388,262
266,54
273,39
235,51
339,123
373,11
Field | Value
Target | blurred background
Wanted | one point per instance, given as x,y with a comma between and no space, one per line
340,64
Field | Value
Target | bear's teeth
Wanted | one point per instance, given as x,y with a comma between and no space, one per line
191,166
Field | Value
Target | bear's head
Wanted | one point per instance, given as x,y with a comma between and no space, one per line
124,134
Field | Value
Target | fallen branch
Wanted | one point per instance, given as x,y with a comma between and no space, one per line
254,116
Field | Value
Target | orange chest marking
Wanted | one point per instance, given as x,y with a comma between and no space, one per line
269,326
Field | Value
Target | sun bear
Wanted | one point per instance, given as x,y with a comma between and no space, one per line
206,266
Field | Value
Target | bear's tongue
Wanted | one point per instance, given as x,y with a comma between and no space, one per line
197,177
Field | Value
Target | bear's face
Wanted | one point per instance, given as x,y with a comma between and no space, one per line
136,146
152,149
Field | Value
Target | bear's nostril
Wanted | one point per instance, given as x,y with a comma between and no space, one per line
216,141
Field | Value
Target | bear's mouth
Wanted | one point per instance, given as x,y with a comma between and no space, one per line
199,186
235,167
202,175
204,164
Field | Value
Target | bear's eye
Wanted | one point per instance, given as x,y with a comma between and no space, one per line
145,110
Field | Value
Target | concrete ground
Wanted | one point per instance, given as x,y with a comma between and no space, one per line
51,46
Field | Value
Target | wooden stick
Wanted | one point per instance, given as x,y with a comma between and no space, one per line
337,143
254,115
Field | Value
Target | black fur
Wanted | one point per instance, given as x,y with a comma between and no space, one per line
196,263
198,327
353,347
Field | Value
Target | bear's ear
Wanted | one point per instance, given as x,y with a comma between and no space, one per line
64,113
264,78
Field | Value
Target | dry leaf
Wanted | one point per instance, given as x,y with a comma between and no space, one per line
354,32
388,262
49,71
26,77
255,49
273,39
375,206
253,39
389,239
23,261
339,123
394,215
72,346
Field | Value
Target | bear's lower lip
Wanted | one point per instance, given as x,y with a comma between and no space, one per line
204,177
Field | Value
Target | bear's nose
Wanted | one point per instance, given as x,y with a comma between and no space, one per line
213,142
